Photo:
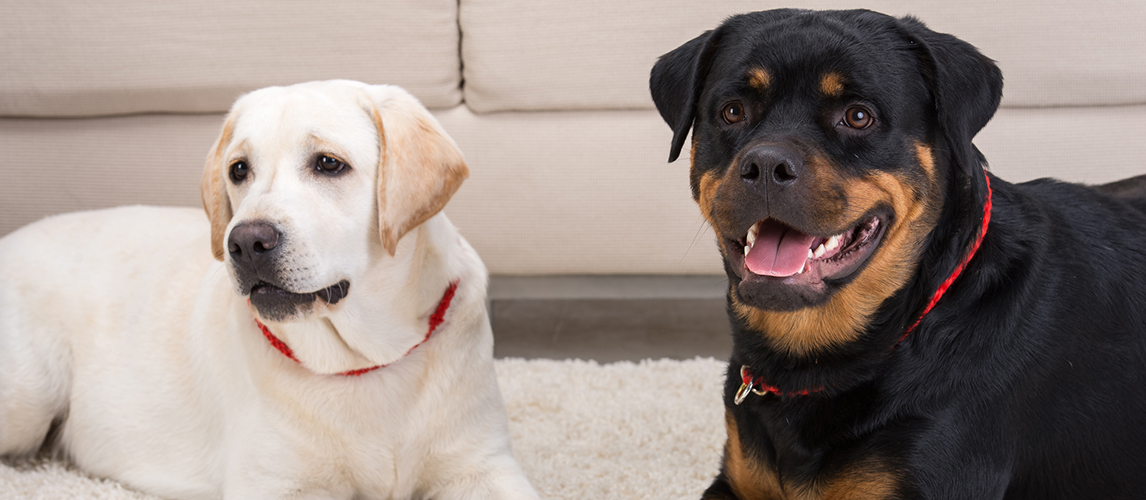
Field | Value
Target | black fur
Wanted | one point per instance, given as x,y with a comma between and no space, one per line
1028,379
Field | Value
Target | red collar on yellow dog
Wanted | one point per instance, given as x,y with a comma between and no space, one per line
750,384
436,320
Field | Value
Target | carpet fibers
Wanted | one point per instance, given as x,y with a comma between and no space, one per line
648,430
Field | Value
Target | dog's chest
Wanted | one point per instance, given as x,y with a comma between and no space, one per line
372,441
751,474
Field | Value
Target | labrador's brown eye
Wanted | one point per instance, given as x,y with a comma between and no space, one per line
733,113
238,171
329,165
857,117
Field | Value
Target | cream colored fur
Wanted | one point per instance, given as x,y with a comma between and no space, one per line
120,325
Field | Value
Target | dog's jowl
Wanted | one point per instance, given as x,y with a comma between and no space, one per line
906,324
321,333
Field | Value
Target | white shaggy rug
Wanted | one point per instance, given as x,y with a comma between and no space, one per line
648,430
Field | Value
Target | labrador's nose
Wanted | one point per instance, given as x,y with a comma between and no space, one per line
253,244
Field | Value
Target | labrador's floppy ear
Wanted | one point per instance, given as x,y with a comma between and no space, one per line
213,189
676,82
419,165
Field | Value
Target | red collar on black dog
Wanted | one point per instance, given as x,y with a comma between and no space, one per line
757,385
958,270
436,320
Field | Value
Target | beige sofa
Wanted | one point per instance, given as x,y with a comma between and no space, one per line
114,103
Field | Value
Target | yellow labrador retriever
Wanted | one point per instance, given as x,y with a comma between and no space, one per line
335,345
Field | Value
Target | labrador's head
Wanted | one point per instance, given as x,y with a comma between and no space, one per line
309,184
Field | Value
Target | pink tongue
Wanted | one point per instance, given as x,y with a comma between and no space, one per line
779,250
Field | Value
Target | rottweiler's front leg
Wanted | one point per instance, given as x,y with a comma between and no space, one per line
719,490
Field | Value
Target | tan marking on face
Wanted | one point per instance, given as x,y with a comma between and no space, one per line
832,85
926,157
848,312
709,186
693,179
759,79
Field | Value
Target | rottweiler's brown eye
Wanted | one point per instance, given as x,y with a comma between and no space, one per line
733,112
238,171
329,165
857,117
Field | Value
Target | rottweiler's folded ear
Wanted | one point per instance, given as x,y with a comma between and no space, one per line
676,82
966,87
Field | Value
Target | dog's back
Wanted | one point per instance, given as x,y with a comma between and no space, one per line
68,285
1066,286
1131,190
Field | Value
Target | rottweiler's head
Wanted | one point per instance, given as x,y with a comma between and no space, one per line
827,147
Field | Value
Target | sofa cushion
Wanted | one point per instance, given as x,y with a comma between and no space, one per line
548,193
596,54
66,58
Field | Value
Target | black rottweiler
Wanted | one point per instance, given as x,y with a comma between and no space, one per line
906,325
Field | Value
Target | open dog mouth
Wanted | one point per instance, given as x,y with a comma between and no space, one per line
774,250
275,303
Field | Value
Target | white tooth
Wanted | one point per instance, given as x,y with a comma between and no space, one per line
819,251
832,243
747,248
802,267
751,238
810,254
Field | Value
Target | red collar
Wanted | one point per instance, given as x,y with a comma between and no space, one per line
436,320
959,269
750,384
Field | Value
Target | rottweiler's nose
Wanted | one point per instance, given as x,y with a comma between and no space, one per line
253,243
776,164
